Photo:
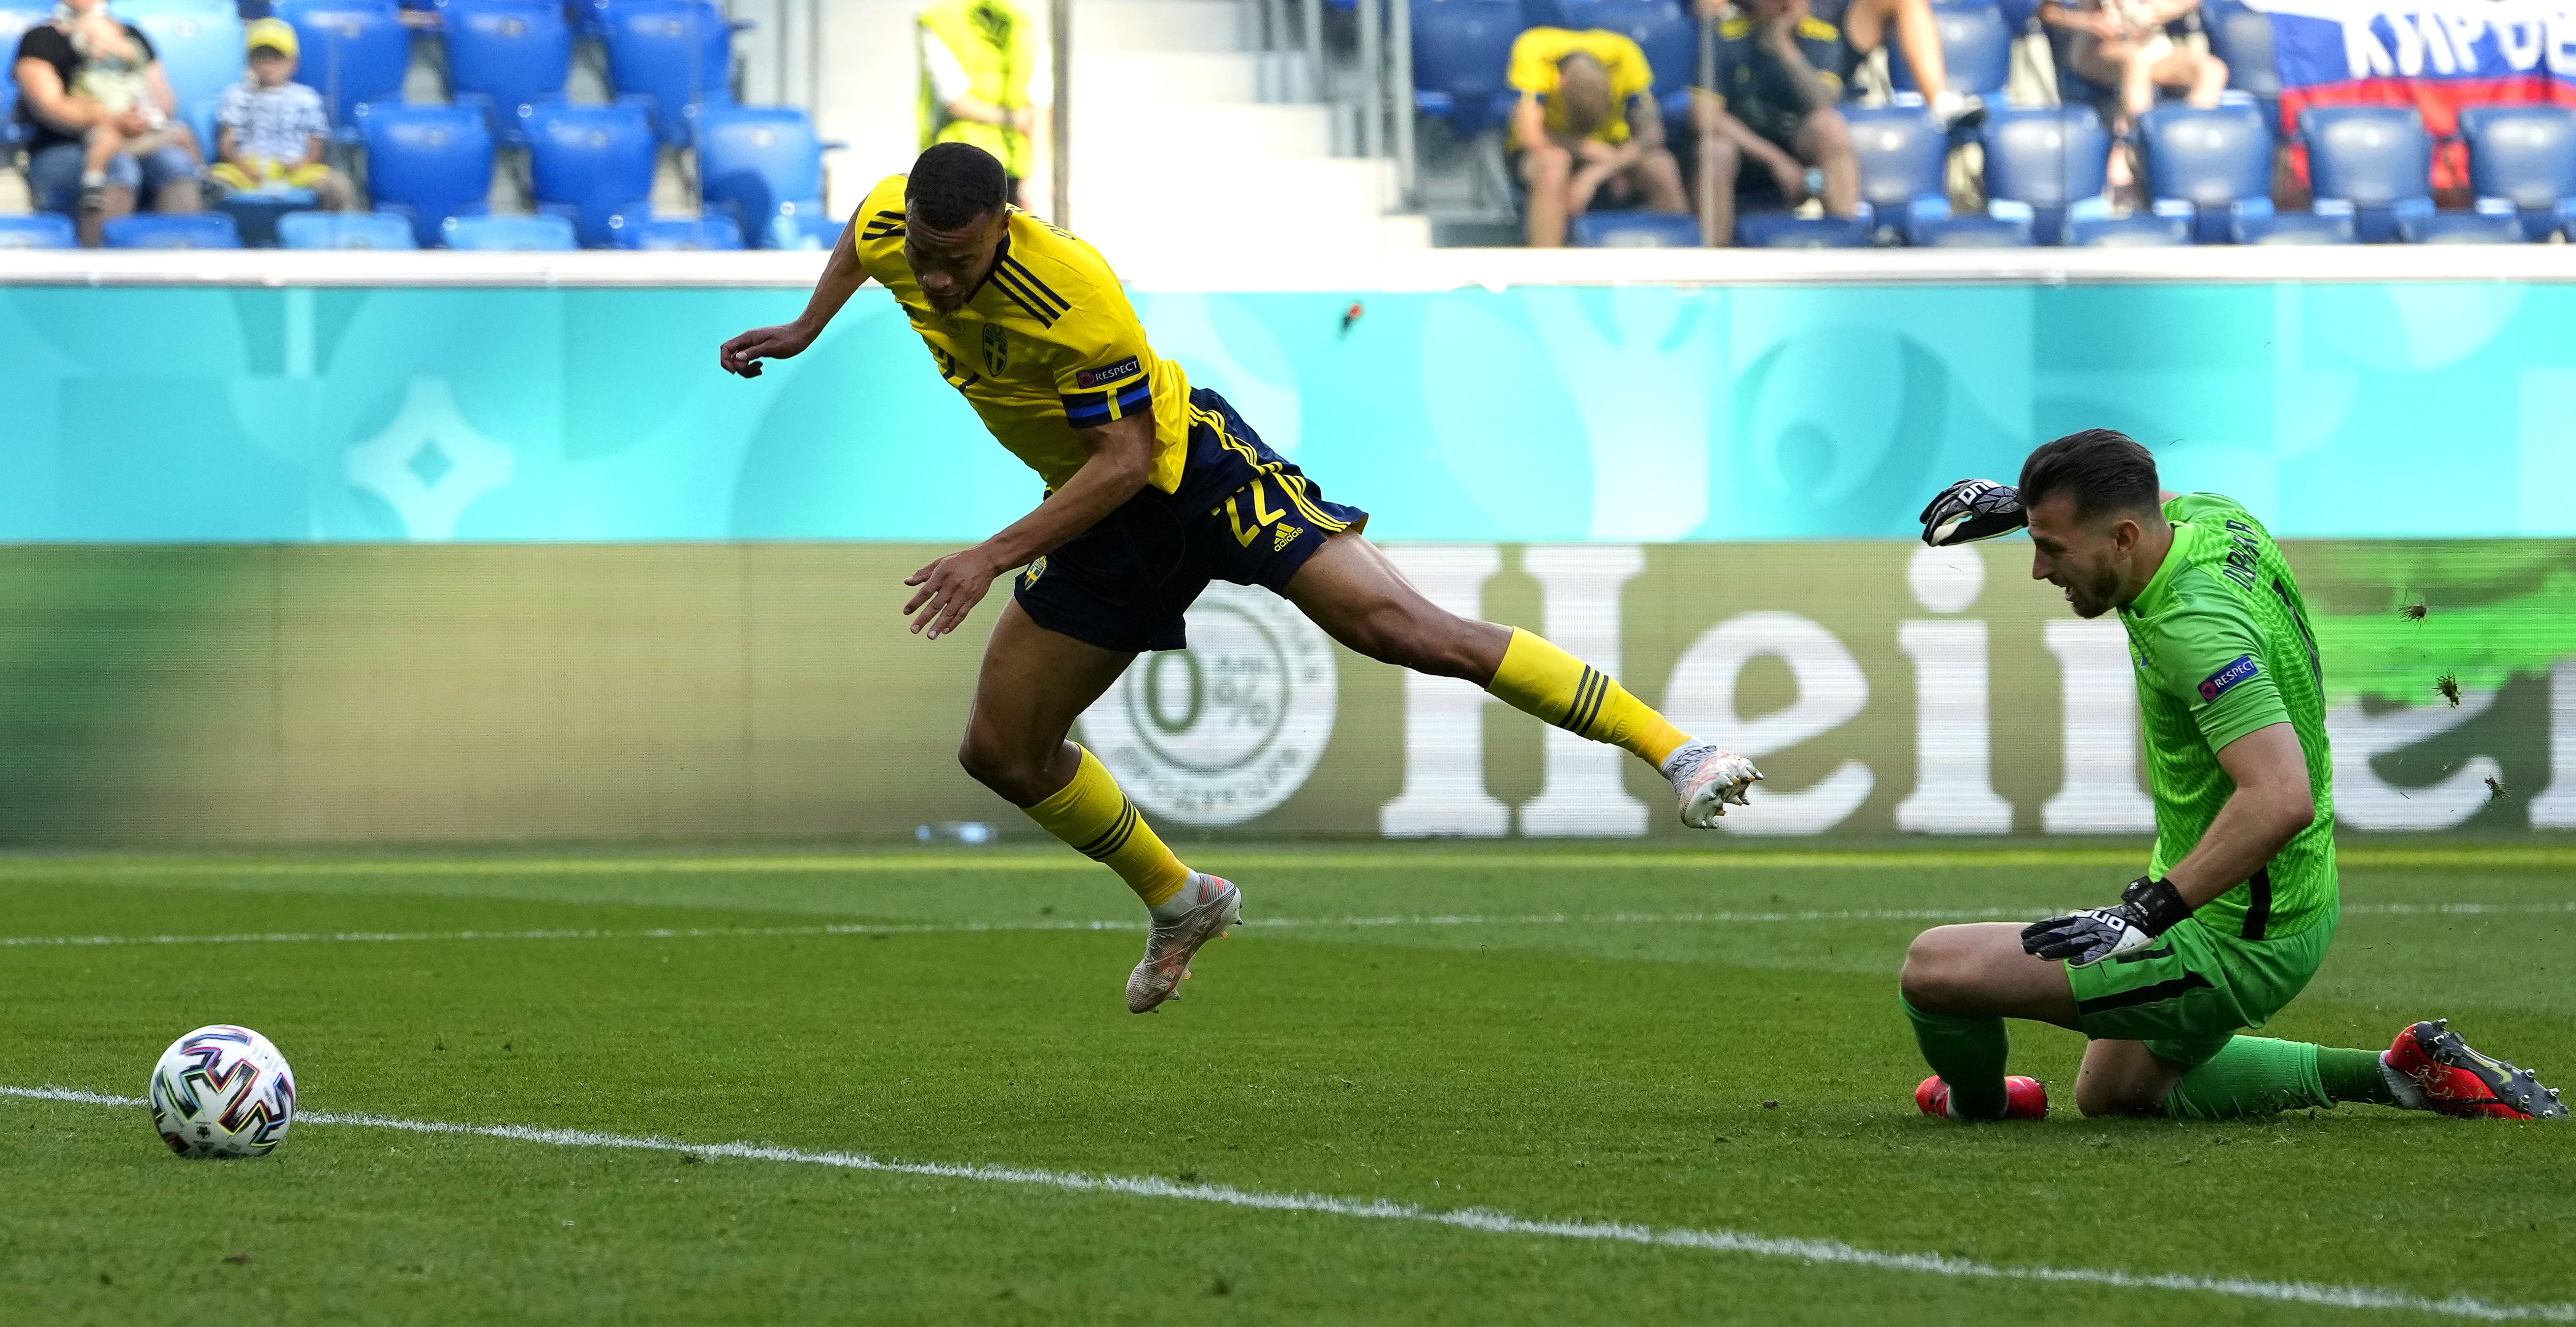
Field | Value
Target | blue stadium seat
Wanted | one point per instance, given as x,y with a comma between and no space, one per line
2209,158
639,231
2526,156
754,162
428,163
1461,52
1901,151
2494,222
1663,29
2242,40
173,230
256,212
517,53
2018,14
543,234
10,130
2329,222
1976,44
804,226
678,52
354,52
1634,230
2377,158
37,230
2048,159
2090,225
345,230
199,44
1782,230
590,163
2004,224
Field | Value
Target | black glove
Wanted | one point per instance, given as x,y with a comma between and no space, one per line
2148,908
1970,510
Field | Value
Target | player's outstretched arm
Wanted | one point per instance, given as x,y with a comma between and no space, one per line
1122,455
842,277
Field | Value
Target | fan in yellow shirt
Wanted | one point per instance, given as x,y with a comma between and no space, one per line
1587,126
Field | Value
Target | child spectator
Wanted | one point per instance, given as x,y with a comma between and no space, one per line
270,131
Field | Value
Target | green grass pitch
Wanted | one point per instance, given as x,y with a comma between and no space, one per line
1702,1050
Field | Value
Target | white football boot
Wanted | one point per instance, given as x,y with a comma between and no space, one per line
1202,910
1706,779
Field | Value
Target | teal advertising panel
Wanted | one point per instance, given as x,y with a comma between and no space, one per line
1560,414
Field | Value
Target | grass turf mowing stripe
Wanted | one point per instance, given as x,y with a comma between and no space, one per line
1816,1252
2549,857
1263,924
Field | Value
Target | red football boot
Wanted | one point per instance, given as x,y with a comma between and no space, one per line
2024,1098
2433,1069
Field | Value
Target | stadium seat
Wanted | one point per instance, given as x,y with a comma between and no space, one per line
2018,14
345,230
804,226
2004,224
1901,150
543,234
589,163
2048,159
173,230
199,44
1461,52
678,52
2330,222
755,162
2377,158
354,52
638,231
1663,29
37,230
1976,44
256,212
2209,159
2242,39
1783,230
429,163
2090,225
1634,230
516,53
2494,222
2526,156
10,130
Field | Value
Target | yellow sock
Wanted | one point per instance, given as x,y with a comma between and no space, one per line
1539,679
1101,824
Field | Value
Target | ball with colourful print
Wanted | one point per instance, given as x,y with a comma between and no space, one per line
222,1091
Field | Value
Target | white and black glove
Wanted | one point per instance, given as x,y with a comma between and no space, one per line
2148,908
1970,510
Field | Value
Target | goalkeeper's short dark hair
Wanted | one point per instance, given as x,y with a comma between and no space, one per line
954,183
2104,470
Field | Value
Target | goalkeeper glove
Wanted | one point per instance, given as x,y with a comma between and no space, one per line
2148,908
1970,510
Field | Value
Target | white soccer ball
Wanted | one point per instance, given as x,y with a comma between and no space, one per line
222,1091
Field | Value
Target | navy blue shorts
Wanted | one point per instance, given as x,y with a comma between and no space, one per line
1242,514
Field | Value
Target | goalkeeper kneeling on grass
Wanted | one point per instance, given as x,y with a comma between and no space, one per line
2238,903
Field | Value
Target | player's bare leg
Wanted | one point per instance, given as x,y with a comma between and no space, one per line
1034,684
1359,597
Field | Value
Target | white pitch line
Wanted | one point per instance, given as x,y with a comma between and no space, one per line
1815,1252
1256,925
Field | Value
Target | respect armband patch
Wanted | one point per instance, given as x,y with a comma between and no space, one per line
2217,684
1109,373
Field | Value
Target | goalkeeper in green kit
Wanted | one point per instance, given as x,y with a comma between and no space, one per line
2238,903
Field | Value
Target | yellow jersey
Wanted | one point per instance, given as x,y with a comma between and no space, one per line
1046,345
1536,53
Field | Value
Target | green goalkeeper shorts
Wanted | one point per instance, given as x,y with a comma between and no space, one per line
2195,987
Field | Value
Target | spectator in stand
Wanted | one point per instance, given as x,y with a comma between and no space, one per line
271,131
101,120
983,81
1779,73
1862,26
2122,44
1587,126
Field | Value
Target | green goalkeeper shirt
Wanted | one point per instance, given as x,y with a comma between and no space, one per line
2221,641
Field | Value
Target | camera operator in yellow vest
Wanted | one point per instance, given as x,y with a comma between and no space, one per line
985,82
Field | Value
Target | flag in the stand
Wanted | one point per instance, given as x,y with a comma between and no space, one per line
2436,55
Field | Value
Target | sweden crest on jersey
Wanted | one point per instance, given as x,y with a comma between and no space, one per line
997,349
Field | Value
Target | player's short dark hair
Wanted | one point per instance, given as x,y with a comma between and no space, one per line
2104,470
952,184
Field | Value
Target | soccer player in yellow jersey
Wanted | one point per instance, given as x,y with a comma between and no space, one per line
1152,490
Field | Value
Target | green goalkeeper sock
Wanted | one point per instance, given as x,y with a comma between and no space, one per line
2354,1076
1968,1053
2255,1076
